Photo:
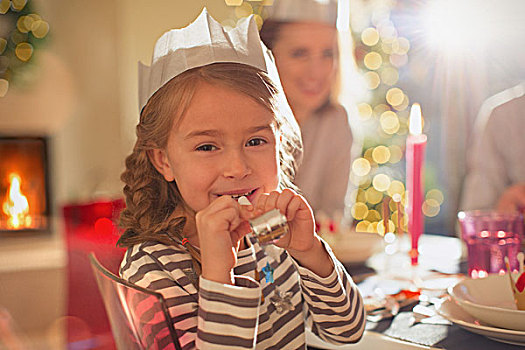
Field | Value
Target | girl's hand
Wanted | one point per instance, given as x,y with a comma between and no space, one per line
298,213
301,242
220,228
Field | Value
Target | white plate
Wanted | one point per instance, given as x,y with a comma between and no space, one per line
370,340
491,300
454,313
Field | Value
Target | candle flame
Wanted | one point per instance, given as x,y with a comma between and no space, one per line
415,124
16,205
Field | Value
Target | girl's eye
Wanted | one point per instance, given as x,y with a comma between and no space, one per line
328,53
206,148
299,53
255,142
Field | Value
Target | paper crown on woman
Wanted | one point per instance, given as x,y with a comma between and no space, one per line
201,43
324,11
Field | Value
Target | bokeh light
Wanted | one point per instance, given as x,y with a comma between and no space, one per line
24,51
18,5
258,20
403,105
388,32
401,46
243,10
364,109
380,109
396,187
373,196
4,87
40,29
370,36
396,154
362,226
4,6
430,207
389,75
373,60
398,60
381,154
389,122
233,2
359,211
373,216
395,96
381,182
381,227
361,196
361,167
435,194
372,80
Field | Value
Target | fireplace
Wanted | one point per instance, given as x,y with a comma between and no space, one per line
24,186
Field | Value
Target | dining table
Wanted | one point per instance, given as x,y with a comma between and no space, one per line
442,263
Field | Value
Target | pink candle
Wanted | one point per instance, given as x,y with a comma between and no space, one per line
415,157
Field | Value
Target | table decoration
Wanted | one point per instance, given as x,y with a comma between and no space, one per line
415,156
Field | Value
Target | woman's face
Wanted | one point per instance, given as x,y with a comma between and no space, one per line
225,144
306,57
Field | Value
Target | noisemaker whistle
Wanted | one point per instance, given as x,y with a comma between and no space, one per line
268,227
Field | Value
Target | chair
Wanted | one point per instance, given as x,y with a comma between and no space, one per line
138,316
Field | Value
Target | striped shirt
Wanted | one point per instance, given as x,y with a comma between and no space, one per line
219,316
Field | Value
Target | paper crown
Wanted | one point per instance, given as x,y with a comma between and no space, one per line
201,43
324,11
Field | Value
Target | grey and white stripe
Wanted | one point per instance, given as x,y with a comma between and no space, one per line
232,317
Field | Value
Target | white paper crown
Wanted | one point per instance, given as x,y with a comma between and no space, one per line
324,11
201,43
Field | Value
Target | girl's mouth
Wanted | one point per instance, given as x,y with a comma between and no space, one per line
239,195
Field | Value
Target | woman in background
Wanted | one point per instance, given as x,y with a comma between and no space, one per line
302,35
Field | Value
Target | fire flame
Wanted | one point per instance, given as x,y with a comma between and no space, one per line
16,205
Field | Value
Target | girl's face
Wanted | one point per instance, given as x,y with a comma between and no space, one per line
225,144
305,54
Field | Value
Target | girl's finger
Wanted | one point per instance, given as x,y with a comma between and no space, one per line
221,203
293,207
284,200
271,202
261,203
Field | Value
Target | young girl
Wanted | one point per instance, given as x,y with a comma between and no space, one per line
214,129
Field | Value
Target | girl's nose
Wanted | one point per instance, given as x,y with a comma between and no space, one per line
236,165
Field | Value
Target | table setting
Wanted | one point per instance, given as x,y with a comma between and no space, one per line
434,305
424,291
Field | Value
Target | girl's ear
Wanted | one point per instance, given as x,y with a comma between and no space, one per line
160,161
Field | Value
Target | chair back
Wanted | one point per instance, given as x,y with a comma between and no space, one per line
138,316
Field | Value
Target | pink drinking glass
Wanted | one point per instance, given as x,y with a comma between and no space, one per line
491,236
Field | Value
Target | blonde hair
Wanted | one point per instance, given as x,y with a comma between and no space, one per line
155,209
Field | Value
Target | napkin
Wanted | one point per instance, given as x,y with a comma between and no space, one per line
426,334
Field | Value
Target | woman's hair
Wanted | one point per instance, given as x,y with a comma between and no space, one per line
269,34
155,209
